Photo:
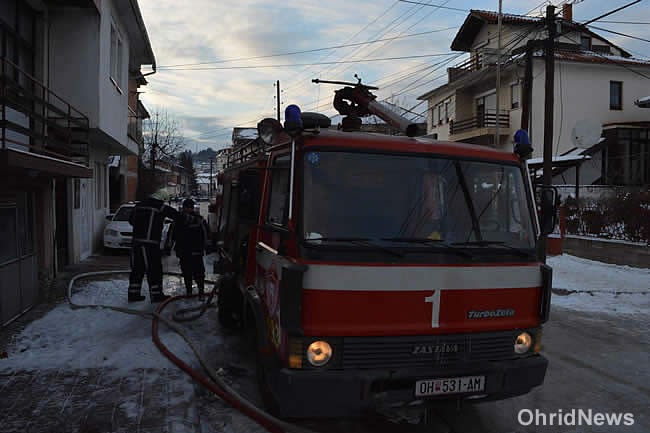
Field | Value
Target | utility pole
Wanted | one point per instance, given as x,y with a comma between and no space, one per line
497,136
154,144
549,53
210,184
277,88
527,88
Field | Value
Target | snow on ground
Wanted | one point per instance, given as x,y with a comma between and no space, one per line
96,338
587,285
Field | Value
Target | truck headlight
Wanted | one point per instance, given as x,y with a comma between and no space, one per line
523,343
319,353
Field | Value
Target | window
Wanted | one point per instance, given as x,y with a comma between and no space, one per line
279,200
116,58
123,213
440,114
585,42
429,197
615,95
514,96
447,111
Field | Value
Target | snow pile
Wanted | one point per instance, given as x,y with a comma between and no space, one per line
587,285
98,338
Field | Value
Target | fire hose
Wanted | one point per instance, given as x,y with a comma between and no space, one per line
218,386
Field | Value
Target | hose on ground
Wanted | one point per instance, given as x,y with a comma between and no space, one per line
219,387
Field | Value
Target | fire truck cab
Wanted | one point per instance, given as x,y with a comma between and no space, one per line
382,269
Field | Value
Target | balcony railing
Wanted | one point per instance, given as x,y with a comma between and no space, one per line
479,60
135,127
486,120
33,118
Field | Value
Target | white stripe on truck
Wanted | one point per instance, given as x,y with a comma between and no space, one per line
410,278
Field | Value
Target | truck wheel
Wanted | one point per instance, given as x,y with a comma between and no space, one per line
270,402
229,303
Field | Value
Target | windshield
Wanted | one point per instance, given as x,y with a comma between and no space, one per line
374,196
123,213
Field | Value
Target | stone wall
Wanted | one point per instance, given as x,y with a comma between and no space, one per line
608,251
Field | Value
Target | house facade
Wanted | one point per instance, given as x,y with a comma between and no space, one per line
64,81
596,82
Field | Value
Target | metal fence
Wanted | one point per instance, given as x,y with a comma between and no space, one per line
609,212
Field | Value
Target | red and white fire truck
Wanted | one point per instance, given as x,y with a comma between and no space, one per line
380,269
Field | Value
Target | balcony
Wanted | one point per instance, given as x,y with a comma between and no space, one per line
38,129
478,60
481,125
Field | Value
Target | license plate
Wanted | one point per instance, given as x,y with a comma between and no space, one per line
449,385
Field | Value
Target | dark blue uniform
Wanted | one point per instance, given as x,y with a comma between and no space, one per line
190,233
147,220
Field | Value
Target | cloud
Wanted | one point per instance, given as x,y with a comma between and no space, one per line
213,101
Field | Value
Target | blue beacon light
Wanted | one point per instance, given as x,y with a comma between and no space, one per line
292,120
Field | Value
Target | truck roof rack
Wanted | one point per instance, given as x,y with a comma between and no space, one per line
246,152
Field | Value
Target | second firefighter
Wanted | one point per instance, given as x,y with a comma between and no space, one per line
190,235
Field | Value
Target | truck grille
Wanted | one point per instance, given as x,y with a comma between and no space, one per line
397,352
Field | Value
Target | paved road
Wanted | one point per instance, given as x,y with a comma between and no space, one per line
597,361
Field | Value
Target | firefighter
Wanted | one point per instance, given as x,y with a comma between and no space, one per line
191,237
147,219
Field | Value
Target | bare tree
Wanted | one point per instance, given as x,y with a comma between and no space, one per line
162,137
163,140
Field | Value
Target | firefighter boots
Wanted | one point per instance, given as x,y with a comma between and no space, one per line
159,297
136,298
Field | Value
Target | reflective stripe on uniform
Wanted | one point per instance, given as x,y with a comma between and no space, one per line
145,241
144,257
150,224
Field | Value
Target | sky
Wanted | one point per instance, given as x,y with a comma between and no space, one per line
209,102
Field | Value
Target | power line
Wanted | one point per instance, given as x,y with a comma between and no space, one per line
436,6
626,22
415,9
353,36
310,64
611,60
619,33
380,33
515,40
407,29
333,47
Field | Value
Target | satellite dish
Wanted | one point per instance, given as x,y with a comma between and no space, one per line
586,133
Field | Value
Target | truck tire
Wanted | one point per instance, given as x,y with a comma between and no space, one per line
271,404
229,303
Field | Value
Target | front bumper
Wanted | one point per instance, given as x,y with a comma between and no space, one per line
328,393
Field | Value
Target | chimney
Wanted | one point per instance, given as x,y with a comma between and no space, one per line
567,11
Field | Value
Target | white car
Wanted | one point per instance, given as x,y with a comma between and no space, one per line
118,233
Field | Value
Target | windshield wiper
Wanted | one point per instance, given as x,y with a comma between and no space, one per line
518,251
359,241
431,242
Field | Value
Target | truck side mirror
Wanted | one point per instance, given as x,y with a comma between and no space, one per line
549,209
